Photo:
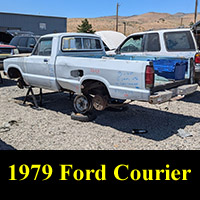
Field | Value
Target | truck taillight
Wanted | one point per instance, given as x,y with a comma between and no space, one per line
149,76
197,58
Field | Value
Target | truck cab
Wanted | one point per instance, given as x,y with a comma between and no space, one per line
75,44
39,68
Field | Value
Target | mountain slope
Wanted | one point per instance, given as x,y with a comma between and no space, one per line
136,23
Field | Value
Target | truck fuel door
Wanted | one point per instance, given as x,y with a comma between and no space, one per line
77,73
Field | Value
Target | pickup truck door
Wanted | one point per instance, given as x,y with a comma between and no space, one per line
40,65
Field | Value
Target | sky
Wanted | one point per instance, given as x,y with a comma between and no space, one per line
95,8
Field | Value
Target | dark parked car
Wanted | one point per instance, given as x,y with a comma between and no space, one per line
5,52
24,43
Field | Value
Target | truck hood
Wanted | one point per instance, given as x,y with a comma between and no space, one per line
12,62
112,39
5,38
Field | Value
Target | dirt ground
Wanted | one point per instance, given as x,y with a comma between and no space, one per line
51,127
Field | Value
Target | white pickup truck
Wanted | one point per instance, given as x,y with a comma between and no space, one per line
77,63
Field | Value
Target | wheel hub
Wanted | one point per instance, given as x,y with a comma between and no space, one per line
82,104
99,102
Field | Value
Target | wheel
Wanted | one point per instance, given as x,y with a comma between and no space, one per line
82,104
99,102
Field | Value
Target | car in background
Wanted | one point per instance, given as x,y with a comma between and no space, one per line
162,43
6,51
25,43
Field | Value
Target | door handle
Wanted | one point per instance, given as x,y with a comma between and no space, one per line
46,60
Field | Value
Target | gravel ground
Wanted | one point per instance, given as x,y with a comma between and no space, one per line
22,127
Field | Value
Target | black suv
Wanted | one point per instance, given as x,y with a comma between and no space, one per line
24,43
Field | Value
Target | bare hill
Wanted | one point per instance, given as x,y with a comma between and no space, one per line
136,23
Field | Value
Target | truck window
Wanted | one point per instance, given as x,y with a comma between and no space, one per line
133,44
179,41
86,43
73,44
96,43
44,47
153,42
89,43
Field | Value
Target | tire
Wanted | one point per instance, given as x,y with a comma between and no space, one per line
82,104
83,117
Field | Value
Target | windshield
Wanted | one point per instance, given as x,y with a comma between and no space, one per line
133,44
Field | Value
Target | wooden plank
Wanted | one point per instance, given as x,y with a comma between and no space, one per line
187,89
164,96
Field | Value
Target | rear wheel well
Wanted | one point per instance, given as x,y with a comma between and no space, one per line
94,87
14,73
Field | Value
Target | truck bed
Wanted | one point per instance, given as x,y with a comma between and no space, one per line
164,89
166,85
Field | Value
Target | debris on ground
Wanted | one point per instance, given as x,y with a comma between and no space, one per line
6,126
139,131
183,134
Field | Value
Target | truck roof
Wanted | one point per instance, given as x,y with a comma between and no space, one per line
162,31
71,34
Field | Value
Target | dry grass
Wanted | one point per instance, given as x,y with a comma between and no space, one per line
137,23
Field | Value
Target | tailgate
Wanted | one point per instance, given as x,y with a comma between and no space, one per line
164,96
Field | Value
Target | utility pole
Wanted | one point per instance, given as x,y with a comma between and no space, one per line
117,17
181,21
195,14
124,28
